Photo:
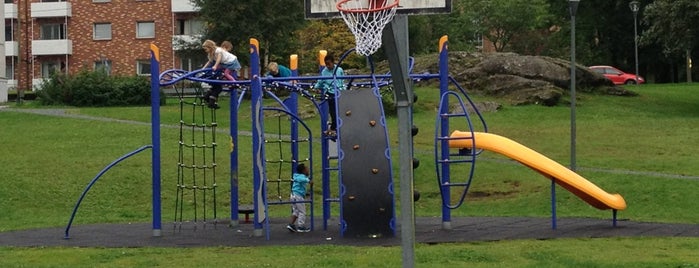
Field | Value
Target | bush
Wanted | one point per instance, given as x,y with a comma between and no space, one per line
95,88
388,101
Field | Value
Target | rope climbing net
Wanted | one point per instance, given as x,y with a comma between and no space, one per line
196,164
280,166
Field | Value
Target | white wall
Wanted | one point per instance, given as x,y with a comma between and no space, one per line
3,79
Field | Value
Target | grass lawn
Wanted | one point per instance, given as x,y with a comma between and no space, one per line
640,147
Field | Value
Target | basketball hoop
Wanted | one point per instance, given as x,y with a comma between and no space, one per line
366,19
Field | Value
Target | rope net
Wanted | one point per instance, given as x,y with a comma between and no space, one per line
280,157
366,19
196,172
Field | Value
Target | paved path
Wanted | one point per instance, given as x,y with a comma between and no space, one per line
428,230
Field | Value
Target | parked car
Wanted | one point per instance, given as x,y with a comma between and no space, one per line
617,76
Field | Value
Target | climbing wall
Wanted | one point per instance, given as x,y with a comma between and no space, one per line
366,177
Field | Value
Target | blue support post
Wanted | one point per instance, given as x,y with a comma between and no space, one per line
444,131
292,104
235,205
553,204
155,137
258,165
325,150
325,155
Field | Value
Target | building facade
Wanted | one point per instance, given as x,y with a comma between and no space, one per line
46,36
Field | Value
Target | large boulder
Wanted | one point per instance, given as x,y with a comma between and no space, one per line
517,79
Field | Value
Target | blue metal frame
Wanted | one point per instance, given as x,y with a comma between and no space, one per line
155,140
94,180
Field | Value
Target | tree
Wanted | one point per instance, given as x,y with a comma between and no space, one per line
461,29
673,25
331,35
500,20
270,22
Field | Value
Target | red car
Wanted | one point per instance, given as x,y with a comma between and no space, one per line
617,76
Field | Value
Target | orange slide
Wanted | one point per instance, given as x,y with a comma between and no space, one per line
561,175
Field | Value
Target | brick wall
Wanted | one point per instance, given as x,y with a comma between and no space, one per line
123,50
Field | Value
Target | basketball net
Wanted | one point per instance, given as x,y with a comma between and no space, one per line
366,19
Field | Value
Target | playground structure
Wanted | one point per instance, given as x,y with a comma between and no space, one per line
365,187
363,162
261,161
369,218
354,219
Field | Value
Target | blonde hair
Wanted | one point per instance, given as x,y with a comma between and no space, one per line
227,45
273,67
208,44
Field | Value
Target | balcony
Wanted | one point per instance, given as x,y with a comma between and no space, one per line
52,47
11,11
11,48
51,9
11,83
183,6
180,42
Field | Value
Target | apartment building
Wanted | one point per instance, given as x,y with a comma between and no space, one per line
46,36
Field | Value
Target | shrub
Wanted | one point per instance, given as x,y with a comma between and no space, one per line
95,88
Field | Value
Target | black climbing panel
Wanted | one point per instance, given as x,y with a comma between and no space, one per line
367,202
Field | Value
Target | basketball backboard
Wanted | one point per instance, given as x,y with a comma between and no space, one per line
325,9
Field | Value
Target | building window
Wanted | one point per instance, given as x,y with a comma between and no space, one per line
9,1
104,65
102,31
9,34
53,32
10,70
189,27
145,29
143,67
192,63
50,67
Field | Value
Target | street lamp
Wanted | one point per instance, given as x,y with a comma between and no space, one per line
573,7
633,5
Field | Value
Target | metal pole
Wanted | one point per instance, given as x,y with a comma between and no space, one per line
634,8
572,95
635,42
573,10
395,37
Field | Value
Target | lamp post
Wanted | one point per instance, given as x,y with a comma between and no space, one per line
573,8
634,8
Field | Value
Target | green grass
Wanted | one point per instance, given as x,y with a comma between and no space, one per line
641,147
612,252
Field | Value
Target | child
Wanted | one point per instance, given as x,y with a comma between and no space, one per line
236,69
218,57
327,87
277,70
227,45
298,194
